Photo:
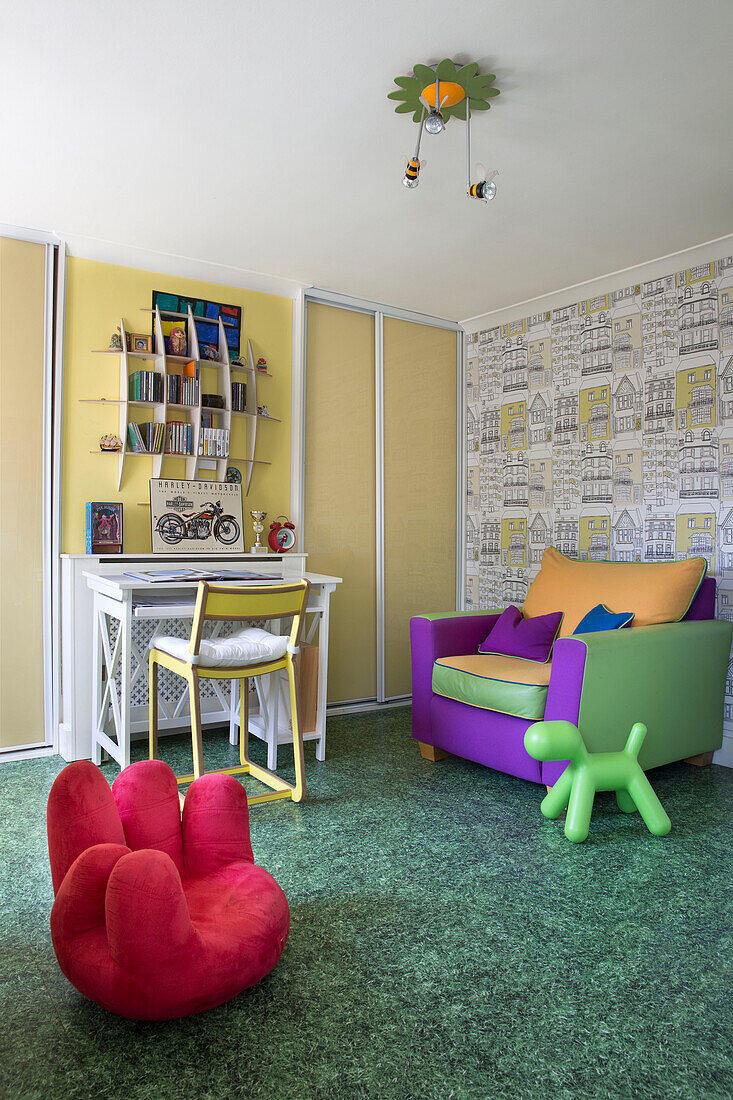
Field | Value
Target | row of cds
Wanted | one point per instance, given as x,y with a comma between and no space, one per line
214,442
179,438
239,396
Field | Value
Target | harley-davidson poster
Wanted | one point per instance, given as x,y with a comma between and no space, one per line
196,517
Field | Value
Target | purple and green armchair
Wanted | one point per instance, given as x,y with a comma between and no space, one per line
671,677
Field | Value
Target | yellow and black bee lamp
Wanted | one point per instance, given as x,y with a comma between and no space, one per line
433,95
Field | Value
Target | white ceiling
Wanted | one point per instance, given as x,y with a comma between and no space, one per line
258,135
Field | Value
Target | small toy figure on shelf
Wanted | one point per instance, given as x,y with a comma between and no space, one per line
110,443
238,362
262,364
208,351
262,410
115,342
177,342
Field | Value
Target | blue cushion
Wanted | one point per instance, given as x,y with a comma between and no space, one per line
600,618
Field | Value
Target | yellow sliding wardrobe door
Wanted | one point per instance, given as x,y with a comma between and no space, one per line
420,472
340,488
22,318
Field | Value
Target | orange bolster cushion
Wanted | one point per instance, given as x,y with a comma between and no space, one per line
657,592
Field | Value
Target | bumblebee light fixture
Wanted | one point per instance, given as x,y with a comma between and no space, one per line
445,91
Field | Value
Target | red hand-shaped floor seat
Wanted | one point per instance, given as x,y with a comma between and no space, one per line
157,917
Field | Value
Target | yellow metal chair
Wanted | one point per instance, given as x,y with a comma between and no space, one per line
219,602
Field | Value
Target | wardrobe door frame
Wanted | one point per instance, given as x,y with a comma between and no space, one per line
53,368
297,480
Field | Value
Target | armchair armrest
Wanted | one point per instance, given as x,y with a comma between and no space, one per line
440,635
671,677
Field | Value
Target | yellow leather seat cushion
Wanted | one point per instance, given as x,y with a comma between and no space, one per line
656,592
508,685
494,666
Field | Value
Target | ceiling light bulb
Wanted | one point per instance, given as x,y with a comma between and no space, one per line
410,183
434,122
484,189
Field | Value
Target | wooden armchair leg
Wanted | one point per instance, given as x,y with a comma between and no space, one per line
432,752
701,760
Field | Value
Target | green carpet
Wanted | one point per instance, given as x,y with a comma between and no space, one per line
446,941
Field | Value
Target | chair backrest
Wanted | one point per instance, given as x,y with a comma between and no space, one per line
245,603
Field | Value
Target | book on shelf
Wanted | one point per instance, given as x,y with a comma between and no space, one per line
153,576
214,442
182,390
179,438
146,438
239,396
145,385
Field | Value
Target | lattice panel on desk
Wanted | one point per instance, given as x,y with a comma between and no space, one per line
170,687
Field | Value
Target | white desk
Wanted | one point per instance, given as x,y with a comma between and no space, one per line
118,662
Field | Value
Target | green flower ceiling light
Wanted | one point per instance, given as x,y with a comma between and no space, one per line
445,91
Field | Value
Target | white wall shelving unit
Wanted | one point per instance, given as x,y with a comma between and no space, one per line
214,377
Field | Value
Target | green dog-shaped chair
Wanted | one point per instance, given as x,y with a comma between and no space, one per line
590,772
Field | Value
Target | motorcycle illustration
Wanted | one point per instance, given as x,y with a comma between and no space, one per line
173,528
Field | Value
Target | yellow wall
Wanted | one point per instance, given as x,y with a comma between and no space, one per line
22,307
97,296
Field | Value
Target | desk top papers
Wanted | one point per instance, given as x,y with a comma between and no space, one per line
173,576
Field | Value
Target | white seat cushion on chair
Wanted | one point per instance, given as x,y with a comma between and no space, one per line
250,646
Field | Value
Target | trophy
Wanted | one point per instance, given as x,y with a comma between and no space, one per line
259,527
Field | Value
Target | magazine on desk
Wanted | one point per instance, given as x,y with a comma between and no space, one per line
224,576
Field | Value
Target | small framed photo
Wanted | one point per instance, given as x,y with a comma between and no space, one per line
139,342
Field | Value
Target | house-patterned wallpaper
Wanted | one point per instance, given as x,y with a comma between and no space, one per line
604,428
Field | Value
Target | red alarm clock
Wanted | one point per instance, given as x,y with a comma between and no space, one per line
282,535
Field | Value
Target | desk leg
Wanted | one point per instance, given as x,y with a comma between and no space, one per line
96,681
106,657
124,733
322,680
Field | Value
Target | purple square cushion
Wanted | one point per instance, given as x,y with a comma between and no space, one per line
515,636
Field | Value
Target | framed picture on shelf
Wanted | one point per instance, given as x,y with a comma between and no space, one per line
103,528
196,517
139,342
